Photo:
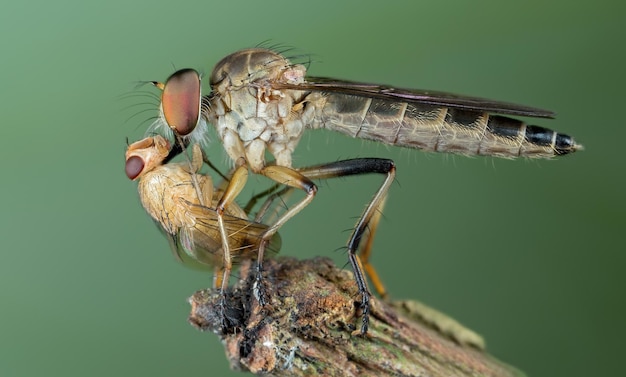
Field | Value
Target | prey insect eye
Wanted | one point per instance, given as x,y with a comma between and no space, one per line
134,167
181,101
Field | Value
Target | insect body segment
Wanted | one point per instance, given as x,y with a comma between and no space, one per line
436,129
169,195
249,114
261,101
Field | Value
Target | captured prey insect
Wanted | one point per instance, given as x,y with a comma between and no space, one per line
259,100
168,192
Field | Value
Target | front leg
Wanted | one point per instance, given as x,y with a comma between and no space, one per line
233,189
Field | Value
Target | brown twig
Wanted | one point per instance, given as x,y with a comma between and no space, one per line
307,328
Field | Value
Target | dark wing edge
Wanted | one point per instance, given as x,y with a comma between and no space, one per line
429,97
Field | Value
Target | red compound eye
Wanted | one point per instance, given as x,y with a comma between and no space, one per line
134,167
181,101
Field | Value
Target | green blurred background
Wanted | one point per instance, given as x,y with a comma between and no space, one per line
525,252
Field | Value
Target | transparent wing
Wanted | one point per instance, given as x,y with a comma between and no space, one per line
428,97
179,252
203,242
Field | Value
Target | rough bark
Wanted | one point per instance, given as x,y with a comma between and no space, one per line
307,328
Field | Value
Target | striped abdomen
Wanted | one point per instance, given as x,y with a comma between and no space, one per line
437,129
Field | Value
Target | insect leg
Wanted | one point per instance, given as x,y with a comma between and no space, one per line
366,251
278,194
218,277
293,179
233,189
265,194
368,220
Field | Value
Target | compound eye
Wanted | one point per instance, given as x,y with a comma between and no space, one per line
181,100
134,167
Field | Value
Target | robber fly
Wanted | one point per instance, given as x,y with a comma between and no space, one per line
169,193
259,100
